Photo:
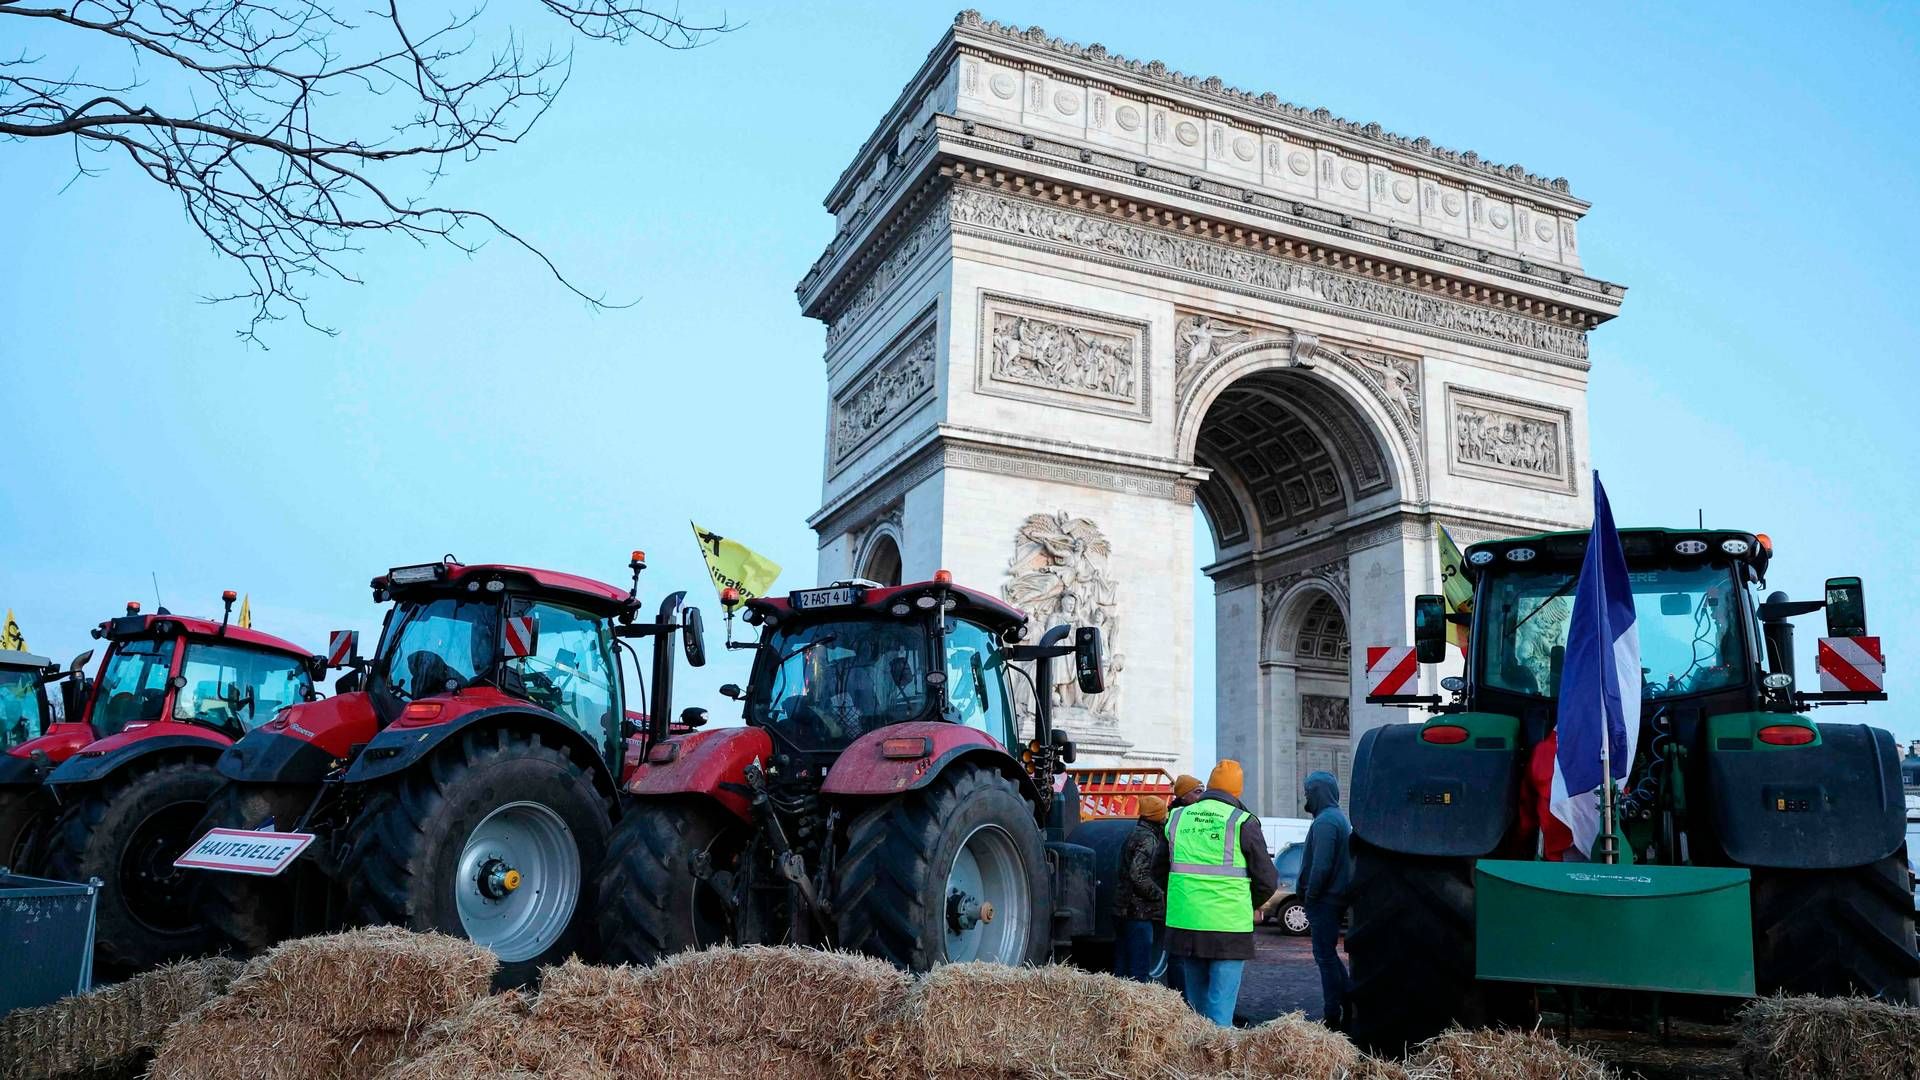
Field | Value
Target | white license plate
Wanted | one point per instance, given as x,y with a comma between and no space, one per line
808,599
245,851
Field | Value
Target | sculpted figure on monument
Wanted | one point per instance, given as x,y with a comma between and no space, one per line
1058,574
1040,352
1511,442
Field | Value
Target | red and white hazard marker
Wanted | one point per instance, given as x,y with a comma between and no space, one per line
341,645
1390,670
519,635
1851,665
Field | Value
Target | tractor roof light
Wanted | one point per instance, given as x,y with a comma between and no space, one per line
1786,735
229,596
133,607
1779,680
1766,543
1733,545
943,577
496,585
900,609
1520,554
1480,558
925,602
1453,684
1690,547
1444,734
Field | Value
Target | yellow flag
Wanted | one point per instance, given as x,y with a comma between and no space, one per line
10,635
246,611
734,565
1455,587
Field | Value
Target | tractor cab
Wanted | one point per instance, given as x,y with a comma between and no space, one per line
24,709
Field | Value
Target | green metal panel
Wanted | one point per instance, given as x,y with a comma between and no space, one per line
1684,929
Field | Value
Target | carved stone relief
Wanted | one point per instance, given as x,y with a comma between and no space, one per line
889,272
878,400
1324,714
1493,437
1075,358
1059,574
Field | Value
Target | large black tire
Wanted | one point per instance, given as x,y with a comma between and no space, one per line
1837,932
1410,941
651,904
248,913
26,815
126,830
892,897
404,859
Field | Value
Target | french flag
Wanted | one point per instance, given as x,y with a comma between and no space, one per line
1599,681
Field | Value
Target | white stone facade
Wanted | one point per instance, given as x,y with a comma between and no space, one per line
1072,294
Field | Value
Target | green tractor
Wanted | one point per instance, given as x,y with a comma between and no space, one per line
1754,850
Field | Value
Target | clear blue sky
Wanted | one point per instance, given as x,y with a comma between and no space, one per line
1752,169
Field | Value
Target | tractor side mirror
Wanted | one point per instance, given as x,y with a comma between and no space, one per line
80,662
316,667
693,717
732,692
1063,747
1087,660
1846,607
693,637
1429,628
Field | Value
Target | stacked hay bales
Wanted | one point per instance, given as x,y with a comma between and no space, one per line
1794,1037
1287,1046
110,1031
1501,1055
342,1005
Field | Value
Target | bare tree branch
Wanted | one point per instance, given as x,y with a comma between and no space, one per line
286,131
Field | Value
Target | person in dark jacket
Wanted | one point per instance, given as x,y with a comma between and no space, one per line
1326,869
1218,871
1140,896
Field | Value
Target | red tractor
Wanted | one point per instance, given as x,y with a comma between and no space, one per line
125,778
878,798
465,779
33,740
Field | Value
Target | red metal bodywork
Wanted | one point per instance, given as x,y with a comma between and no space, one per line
335,725
602,597
862,769
60,742
446,708
702,762
141,730
189,629
995,610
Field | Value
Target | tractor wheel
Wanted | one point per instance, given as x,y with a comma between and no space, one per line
248,913
26,813
491,839
1411,945
1837,933
126,830
652,905
952,872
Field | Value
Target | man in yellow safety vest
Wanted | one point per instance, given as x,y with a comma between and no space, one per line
1218,872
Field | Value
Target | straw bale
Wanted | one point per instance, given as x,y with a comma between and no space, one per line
1782,1037
494,1037
208,1047
798,999
112,1028
1289,1047
1502,1055
378,979
988,1019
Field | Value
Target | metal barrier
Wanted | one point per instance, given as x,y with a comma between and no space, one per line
1115,793
46,934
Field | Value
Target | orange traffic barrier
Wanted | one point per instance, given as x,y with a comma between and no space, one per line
1115,793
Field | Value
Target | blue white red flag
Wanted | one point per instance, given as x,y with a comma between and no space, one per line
1599,681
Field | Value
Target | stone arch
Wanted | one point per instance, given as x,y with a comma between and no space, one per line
879,558
1307,677
1286,606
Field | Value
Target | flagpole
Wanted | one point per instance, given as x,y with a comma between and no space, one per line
1609,854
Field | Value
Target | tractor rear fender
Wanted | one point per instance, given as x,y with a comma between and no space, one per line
1826,804
400,746
1420,789
139,744
29,762
907,757
707,763
302,742
19,770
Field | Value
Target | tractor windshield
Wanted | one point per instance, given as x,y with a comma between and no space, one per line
133,686
436,645
228,686
825,684
21,715
1688,620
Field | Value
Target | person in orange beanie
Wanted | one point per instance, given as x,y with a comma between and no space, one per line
1218,872
1140,894
1187,789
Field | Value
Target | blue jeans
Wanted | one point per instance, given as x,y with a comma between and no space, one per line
1213,987
1133,950
1323,922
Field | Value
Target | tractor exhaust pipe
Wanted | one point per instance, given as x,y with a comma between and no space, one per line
660,709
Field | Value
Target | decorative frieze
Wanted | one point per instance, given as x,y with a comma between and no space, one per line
907,251
1330,576
1324,714
1110,239
1063,356
880,399
1059,574
1494,437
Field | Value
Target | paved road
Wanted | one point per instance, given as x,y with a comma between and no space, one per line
1281,978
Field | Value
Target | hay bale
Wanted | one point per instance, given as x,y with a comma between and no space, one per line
380,979
1502,1055
1783,1037
989,1020
110,1029
493,1037
1289,1047
209,1047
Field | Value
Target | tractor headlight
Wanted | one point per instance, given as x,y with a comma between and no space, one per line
1734,546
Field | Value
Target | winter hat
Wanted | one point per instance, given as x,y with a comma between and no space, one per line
1153,808
1185,785
1226,777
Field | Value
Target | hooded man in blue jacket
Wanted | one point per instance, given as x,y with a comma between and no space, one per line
1326,869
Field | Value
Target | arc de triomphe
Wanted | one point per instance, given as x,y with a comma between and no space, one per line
1071,294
